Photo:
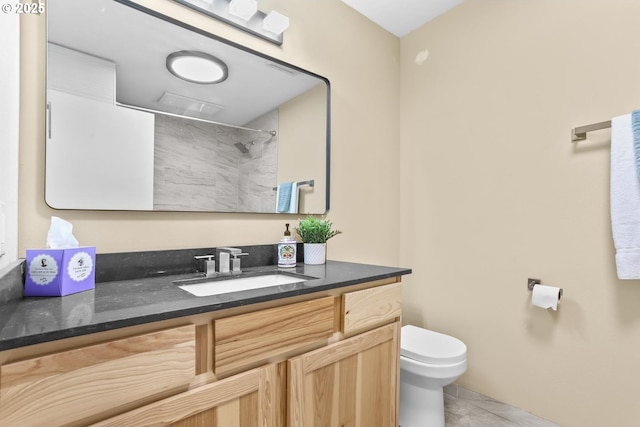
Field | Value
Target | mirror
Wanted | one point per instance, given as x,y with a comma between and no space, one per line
126,133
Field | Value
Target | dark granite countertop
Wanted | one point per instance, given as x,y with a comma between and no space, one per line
121,303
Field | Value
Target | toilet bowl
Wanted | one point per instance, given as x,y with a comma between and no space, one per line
428,361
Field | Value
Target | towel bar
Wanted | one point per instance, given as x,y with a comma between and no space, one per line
311,183
580,133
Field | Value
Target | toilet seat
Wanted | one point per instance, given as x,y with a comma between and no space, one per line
431,347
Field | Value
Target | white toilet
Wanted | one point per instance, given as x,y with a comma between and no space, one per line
428,361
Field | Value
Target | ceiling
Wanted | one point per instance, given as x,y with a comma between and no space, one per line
400,17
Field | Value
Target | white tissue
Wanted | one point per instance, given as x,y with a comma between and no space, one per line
60,234
545,296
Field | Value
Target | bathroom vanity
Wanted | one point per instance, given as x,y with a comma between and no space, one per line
144,352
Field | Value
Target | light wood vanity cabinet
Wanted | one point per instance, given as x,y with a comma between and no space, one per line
328,360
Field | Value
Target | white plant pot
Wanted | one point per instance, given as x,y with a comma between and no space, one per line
315,253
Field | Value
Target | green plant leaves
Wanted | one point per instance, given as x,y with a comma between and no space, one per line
314,230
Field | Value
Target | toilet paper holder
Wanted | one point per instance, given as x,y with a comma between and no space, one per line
532,282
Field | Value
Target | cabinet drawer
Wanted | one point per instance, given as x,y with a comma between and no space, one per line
70,386
250,338
371,307
252,398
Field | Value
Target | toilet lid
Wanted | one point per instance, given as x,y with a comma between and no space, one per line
431,347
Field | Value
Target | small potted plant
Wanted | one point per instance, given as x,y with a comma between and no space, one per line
314,233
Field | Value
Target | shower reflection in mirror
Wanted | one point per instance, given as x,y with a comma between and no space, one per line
197,165
189,121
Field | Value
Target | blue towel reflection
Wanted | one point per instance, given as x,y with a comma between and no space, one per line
284,197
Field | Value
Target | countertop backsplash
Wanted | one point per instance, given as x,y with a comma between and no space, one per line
140,265
11,282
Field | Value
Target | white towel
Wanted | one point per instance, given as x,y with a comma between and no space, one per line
625,199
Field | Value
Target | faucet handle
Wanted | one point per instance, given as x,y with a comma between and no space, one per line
209,264
235,262
236,255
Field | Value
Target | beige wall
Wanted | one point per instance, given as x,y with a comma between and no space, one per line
493,192
296,117
326,37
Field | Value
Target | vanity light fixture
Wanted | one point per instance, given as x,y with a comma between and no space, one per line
243,9
275,22
197,67
243,14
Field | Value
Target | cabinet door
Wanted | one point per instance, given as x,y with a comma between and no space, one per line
69,387
350,383
251,399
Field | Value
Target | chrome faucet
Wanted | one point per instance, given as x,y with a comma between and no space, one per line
223,255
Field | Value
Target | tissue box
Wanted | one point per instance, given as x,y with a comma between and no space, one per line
59,272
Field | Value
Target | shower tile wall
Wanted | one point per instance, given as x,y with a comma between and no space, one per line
197,166
258,168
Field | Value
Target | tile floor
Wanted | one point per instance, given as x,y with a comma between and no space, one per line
466,408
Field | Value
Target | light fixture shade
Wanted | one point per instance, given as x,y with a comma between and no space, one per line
243,9
188,106
197,67
275,22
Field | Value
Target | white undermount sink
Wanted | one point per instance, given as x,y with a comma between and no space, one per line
223,285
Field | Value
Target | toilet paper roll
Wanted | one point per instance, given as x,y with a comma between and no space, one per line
545,296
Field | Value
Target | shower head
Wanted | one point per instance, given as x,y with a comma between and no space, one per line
242,146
